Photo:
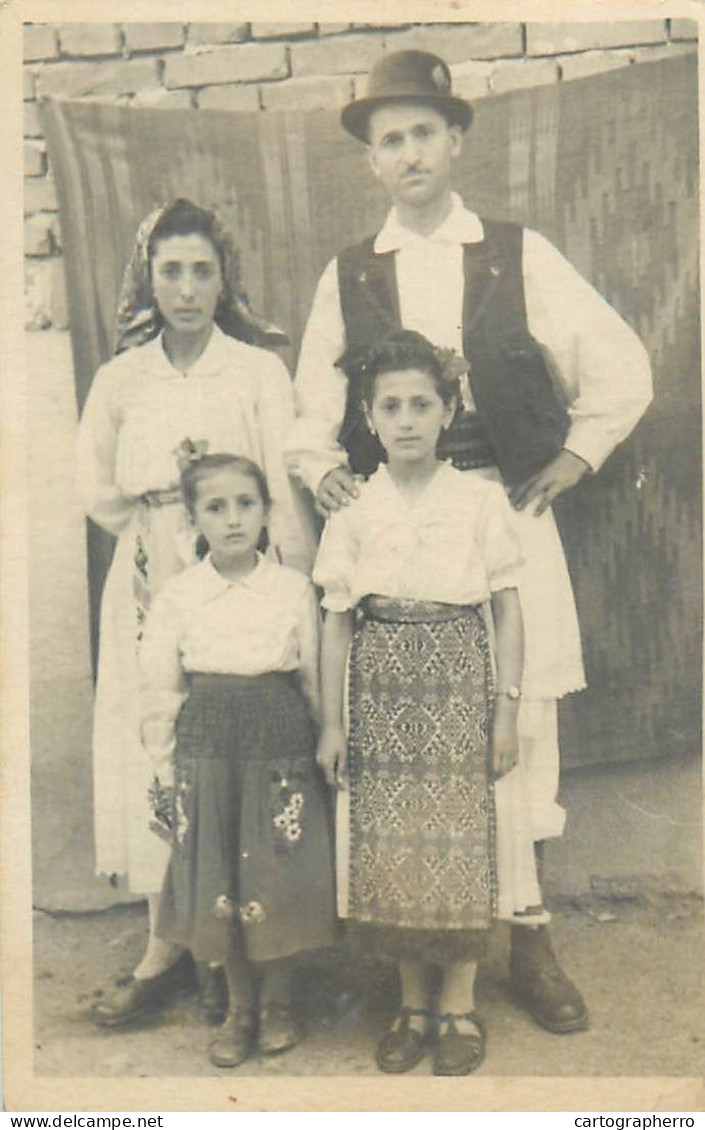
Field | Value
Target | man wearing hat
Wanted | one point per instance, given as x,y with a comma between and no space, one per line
526,322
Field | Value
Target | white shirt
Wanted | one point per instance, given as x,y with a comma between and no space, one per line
453,544
601,362
140,408
268,621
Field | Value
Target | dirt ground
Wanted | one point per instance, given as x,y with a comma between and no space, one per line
639,963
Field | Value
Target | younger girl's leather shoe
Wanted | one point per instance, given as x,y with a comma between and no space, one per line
235,1039
278,1028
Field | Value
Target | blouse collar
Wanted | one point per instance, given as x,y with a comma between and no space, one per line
213,584
384,484
459,226
215,355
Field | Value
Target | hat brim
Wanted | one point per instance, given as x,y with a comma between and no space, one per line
356,115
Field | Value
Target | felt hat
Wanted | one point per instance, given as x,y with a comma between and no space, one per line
416,76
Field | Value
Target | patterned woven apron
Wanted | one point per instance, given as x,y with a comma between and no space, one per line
422,821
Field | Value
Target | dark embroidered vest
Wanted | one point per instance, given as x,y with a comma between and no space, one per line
521,419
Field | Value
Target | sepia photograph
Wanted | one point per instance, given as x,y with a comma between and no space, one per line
364,559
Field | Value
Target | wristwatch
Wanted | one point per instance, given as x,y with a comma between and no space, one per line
512,692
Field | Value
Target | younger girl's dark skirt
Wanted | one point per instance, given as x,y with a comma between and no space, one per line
251,863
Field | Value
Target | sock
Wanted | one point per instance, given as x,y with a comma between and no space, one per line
160,955
241,985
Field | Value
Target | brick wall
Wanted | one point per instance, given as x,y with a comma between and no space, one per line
270,66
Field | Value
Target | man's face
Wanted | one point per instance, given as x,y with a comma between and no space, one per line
411,148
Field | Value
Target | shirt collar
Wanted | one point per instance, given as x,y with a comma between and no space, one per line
459,226
213,584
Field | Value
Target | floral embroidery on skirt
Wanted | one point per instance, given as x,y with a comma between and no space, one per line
287,805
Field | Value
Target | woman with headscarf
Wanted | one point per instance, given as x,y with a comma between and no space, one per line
188,377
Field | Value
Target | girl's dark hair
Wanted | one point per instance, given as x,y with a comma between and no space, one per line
183,217
200,469
403,349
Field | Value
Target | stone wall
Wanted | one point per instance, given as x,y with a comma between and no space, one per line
272,66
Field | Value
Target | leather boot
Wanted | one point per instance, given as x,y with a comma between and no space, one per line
540,985
234,1039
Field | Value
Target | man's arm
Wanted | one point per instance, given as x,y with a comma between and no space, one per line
600,360
312,452
289,533
320,389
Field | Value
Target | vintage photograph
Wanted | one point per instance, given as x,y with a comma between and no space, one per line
365,549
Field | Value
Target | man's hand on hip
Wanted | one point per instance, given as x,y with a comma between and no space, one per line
561,474
337,488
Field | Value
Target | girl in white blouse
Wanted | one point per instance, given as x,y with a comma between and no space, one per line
434,839
229,665
185,370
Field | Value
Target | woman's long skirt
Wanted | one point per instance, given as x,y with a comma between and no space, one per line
156,543
251,863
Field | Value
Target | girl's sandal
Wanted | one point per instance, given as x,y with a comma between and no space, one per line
459,1053
235,1038
402,1047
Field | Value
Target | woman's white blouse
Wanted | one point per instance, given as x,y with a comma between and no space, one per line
268,621
454,544
140,409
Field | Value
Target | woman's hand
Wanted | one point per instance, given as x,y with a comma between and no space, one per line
505,739
332,755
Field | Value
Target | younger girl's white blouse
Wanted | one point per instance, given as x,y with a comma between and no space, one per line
454,544
268,621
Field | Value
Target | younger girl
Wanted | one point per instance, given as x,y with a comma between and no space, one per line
229,665
424,866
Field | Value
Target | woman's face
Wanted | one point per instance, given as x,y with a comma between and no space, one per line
186,282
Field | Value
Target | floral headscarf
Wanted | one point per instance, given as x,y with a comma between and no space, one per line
138,319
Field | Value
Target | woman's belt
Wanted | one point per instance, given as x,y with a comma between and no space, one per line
401,610
162,497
